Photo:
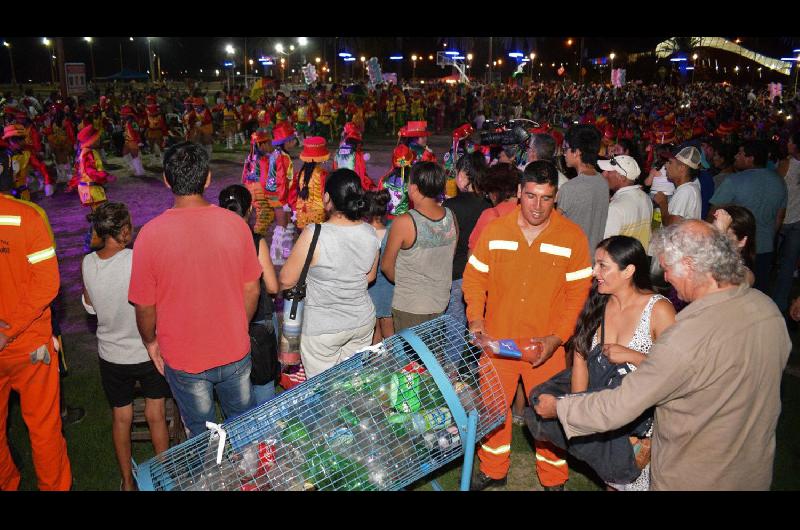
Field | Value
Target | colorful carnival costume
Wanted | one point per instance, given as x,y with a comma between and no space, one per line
188,119
157,130
415,135
350,155
230,124
309,182
130,151
396,181
21,160
278,185
202,125
88,174
254,178
303,117
457,150
62,149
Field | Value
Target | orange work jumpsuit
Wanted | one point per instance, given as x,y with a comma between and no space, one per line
29,281
527,291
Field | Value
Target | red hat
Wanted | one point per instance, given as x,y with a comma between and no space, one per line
150,99
664,134
402,156
88,135
698,131
13,130
558,137
724,129
315,149
198,102
127,110
282,133
463,132
260,136
414,129
152,109
351,130
609,133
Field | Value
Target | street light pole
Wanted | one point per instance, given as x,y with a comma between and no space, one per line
11,60
694,66
533,58
611,78
49,45
91,55
150,60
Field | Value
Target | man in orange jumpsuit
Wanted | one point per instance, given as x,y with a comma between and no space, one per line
528,278
29,281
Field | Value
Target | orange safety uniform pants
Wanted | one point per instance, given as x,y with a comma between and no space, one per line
495,451
38,388
265,214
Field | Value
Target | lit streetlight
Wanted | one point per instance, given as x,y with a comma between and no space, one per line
91,55
317,60
279,48
532,57
694,65
49,44
430,57
611,56
11,60
302,41
413,67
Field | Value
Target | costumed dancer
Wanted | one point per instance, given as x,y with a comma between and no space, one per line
89,176
415,136
396,181
351,156
188,119
324,116
231,126
254,177
20,160
62,149
391,113
279,183
302,119
309,183
130,150
203,124
246,116
157,130
457,150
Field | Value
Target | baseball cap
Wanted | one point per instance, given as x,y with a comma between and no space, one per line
623,164
689,156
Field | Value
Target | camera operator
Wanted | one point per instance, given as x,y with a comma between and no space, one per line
508,143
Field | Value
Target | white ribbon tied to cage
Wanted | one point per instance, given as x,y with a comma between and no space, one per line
219,431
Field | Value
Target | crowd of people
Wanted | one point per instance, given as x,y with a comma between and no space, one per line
592,225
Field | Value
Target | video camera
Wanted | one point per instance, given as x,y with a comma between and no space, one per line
510,133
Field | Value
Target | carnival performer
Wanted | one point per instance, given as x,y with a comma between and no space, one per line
231,123
254,178
33,140
188,119
396,181
309,182
247,121
391,113
89,176
324,116
302,119
457,150
351,156
61,147
157,130
21,160
279,183
415,136
130,151
203,124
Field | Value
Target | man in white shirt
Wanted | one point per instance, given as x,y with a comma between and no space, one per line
630,211
686,202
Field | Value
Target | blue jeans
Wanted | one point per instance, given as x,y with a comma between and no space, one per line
195,392
788,254
456,308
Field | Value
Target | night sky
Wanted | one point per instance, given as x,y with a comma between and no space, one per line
191,54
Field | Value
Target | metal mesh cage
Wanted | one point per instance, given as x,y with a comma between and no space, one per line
386,417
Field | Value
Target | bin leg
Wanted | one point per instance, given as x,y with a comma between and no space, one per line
469,449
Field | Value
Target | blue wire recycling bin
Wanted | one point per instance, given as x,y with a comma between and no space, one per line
383,419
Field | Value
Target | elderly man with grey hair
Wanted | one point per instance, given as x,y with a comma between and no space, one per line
713,377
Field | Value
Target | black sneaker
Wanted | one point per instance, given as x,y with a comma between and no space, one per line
481,481
560,487
72,416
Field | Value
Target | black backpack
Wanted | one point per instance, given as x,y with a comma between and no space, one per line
263,342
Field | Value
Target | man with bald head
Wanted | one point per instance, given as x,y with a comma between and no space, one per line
713,377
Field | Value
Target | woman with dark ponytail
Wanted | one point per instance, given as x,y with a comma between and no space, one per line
309,182
238,199
339,317
622,309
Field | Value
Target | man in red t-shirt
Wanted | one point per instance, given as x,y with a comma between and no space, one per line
195,285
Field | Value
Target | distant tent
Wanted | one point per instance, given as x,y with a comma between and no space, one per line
125,75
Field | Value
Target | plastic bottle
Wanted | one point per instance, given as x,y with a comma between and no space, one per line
524,349
421,422
442,440
288,240
292,326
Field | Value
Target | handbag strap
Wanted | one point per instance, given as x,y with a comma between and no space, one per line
306,265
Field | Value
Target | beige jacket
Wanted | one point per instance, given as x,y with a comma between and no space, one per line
714,378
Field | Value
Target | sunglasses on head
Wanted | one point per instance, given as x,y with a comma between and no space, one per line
617,164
